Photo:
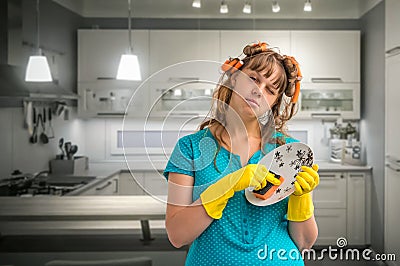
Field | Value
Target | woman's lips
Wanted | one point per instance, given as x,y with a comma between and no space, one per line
253,102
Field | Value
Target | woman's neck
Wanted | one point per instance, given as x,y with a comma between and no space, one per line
239,128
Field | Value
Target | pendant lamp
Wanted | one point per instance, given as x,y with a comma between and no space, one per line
128,68
38,69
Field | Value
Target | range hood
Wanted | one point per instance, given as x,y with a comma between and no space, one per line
12,77
13,85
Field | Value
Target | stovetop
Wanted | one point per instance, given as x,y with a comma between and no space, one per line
27,185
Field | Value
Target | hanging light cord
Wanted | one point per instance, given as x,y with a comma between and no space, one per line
37,28
129,27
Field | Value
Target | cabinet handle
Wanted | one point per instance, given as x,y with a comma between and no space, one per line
329,177
111,114
105,78
392,158
388,165
393,51
105,185
326,80
356,175
325,115
116,185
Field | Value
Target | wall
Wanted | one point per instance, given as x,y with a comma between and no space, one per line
373,111
19,153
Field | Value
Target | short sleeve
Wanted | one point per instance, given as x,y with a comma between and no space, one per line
181,159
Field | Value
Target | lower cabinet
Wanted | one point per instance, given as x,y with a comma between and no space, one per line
108,187
331,225
142,183
341,208
130,184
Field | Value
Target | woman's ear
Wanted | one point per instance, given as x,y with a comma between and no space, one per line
233,78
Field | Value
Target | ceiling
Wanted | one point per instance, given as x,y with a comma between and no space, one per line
290,9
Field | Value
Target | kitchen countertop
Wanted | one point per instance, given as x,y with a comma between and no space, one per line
76,213
42,215
103,167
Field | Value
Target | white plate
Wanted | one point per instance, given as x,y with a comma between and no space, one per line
286,161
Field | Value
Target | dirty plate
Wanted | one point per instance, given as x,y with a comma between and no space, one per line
285,161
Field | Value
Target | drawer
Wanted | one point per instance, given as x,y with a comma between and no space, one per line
331,225
331,191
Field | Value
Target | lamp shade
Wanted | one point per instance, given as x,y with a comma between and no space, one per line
223,8
307,6
196,3
247,8
38,69
275,7
128,68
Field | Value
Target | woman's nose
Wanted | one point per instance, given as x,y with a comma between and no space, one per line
256,91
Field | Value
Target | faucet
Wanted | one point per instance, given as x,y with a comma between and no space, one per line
40,173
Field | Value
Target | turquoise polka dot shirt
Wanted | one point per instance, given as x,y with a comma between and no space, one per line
246,234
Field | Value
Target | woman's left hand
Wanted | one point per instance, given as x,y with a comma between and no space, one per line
300,205
306,180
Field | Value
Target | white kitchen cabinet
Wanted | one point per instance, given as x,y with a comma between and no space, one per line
392,126
356,208
185,68
99,53
392,152
131,183
329,100
331,225
331,192
327,56
168,47
100,94
392,210
142,183
342,207
155,183
112,99
392,26
233,41
109,187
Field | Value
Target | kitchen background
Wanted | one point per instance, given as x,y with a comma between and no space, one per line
59,24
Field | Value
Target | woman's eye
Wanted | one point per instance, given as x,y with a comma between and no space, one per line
253,78
270,91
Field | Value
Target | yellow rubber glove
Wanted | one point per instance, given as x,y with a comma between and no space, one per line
300,206
216,196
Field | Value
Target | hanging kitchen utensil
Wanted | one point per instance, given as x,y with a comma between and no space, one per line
67,148
51,135
73,150
43,137
33,137
29,118
60,146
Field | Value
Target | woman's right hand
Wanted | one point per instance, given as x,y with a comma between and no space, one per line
252,175
216,196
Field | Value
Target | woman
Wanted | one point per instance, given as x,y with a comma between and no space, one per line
209,170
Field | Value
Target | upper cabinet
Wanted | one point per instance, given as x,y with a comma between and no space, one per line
233,41
392,26
168,47
327,56
180,69
99,53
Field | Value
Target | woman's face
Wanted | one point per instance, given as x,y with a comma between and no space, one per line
254,94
